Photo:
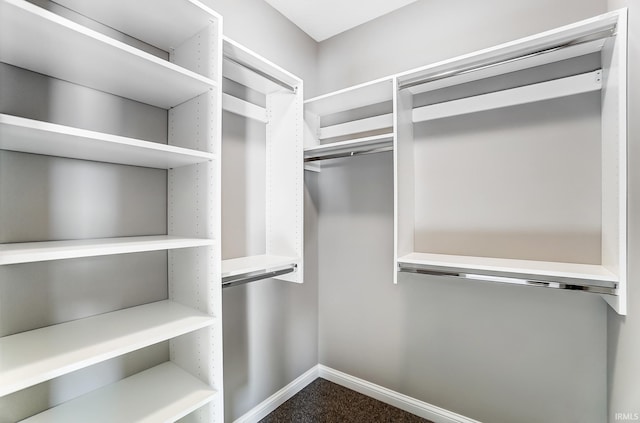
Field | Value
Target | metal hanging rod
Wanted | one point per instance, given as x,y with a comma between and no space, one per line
596,289
474,68
349,154
244,278
261,73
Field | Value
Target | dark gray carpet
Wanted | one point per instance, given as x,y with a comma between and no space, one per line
325,402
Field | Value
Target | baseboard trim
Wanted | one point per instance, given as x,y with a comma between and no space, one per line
401,401
261,410
396,399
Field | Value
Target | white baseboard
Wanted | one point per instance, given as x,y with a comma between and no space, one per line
396,399
261,410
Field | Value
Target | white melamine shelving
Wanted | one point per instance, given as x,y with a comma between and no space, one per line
161,53
355,120
35,356
585,57
164,393
32,136
29,252
45,38
274,197
241,265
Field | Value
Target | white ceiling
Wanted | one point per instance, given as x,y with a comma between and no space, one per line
323,19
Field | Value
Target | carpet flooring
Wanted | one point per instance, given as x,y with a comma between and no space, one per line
325,402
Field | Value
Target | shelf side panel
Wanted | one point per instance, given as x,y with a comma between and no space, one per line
403,164
285,184
614,162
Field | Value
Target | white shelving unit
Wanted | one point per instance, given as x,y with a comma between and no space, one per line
56,42
356,120
270,97
562,61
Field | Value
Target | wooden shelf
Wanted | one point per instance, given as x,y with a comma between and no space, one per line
242,265
35,356
29,252
97,61
31,136
171,23
540,270
362,95
162,393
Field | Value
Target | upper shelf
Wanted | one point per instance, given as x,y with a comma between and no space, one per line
29,252
247,68
97,61
362,95
31,136
178,19
242,265
35,356
569,41
163,393
374,143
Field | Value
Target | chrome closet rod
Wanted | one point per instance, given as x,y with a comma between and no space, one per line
348,154
474,68
244,278
402,267
261,73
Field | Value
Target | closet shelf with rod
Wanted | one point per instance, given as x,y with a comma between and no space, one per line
270,98
445,228
354,121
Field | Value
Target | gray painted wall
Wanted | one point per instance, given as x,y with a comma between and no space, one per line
270,327
499,354
624,332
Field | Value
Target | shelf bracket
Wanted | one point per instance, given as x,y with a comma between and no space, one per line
244,278
411,268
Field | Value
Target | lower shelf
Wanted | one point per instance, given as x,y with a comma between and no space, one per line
164,393
589,277
35,356
252,268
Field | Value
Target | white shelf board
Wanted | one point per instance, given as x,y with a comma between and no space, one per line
90,58
543,270
32,136
514,49
164,393
245,76
355,144
366,94
28,252
32,357
511,66
357,126
562,87
178,19
243,108
242,265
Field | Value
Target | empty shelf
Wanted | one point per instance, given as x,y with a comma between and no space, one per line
252,268
362,95
142,19
35,356
32,136
377,143
247,68
97,61
563,87
163,393
244,108
29,252
573,273
374,123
